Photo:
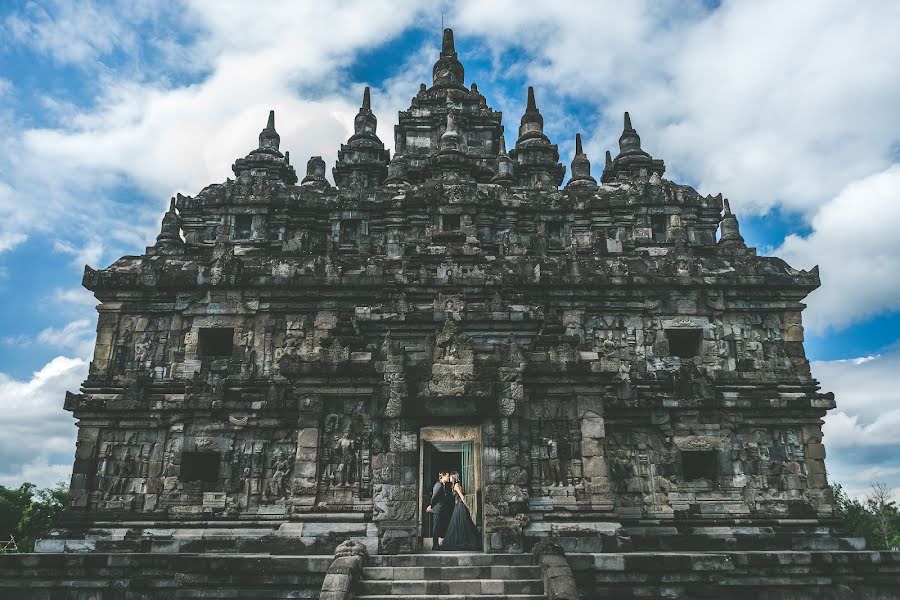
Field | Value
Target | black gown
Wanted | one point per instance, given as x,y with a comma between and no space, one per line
461,531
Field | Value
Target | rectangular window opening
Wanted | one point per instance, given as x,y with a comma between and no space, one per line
350,232
199,466
243,227
700,464
450,222
555,234
215,342
684,343
658,224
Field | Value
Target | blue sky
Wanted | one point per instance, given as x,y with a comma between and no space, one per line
787,108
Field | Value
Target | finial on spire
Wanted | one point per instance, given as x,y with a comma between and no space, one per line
365,122
532,123
608,158
268,137
169,234
581,167
504,167
447,45
729,230
448,71
629,141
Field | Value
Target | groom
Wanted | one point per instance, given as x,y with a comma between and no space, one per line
441,508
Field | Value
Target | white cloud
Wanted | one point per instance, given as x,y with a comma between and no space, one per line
88,253
772,103
769,102
861,434
854,241
166,138
70,32
77,335
38,444
74,296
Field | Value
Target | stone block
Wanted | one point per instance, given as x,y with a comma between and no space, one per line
592,427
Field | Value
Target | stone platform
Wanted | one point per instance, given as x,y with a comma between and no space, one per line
789,575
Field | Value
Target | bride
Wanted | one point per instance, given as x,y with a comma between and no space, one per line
461,531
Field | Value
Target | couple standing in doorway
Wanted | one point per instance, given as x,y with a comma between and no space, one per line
451,519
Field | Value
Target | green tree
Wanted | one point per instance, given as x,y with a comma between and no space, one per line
876,519
28,514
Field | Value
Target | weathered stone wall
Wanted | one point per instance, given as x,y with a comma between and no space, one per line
280,360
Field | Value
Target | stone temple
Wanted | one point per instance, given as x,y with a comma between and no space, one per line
612,370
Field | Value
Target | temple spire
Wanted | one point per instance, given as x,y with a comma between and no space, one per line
581,167
170,232
504,166
448,71
629,141
268,137
535,157
365,121
532,123
362,161
447,46
730,233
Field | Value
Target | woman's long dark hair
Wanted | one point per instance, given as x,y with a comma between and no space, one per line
454,479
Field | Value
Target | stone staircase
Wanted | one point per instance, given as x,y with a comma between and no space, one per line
451,576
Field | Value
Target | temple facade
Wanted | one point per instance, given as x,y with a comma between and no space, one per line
606,362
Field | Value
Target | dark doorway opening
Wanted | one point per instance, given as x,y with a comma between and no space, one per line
436,460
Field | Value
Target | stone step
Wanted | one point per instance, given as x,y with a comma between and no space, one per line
455,597
441,588
453,573
451,559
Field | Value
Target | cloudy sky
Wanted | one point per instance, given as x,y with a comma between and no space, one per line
788,108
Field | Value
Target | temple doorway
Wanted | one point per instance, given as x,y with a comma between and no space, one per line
454,448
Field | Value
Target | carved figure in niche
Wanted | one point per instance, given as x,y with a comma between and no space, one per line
142,348
450,344
275,486
554,471
345,449
624,373
123,471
